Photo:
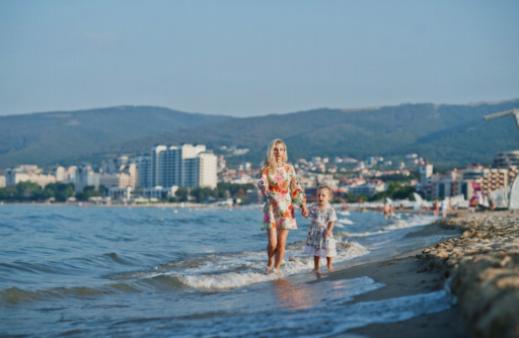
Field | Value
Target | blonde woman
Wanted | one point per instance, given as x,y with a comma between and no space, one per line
281,189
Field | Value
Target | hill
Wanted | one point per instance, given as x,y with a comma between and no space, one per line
70,136
449,135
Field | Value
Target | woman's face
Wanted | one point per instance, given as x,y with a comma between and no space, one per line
279,152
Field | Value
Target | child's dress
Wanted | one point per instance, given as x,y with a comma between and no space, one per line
316,244
282,190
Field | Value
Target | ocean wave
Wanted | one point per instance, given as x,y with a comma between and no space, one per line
14,295
232,270
396,223
241,277
341,222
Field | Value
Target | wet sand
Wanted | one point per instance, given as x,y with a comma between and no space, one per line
402,276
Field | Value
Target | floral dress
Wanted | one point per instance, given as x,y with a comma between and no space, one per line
316,243
282,190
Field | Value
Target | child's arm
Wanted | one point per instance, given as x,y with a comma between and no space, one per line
329,229
331,223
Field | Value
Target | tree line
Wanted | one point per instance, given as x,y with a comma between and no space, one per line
61,192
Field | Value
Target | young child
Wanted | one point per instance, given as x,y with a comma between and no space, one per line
320,241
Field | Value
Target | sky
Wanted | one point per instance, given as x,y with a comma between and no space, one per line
245,58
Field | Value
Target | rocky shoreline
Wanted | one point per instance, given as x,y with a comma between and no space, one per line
483,267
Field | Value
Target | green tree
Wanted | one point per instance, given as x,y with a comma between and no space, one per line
60,191
181,195
88,191
28,191
202,194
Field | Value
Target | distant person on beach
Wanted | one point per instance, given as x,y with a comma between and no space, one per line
319,241
388,209
280,186
445,208
436,208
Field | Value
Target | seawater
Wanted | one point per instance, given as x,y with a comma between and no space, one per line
123,271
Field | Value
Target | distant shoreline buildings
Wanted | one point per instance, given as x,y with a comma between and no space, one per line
157,175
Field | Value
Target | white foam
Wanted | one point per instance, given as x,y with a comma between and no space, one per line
365,234
397,224
296,262
415,220
344,221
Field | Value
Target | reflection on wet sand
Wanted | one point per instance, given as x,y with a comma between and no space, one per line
292,296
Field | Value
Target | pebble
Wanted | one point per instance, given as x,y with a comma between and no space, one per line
484,265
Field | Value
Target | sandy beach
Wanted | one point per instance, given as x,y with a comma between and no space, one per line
406,275
480,266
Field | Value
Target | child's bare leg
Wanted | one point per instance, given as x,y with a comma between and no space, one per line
329,263
280,249
316,263
271,247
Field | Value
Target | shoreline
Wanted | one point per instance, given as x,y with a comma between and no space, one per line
406,274
480,266
180,205
366,207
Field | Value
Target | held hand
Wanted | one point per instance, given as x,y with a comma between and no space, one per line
328,233
304,211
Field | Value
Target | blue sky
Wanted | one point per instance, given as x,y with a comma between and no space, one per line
247,58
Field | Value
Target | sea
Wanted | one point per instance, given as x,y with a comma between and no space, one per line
86,271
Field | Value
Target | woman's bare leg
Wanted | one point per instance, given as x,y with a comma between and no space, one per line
280,252
271,247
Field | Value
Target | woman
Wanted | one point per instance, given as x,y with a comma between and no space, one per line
280,186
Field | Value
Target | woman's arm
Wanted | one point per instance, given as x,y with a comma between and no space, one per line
297,192
262,184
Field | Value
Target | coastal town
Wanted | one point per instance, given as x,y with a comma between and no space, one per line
194,173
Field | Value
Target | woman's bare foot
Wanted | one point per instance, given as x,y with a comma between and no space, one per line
331,269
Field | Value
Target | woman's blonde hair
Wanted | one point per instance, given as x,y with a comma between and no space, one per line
269,160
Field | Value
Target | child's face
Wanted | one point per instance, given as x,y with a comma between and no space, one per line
323,196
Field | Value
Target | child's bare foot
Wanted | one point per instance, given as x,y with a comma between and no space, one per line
331,269
268,270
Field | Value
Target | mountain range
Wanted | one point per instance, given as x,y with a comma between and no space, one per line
448,135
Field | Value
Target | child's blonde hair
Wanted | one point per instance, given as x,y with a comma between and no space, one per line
269,160
327,188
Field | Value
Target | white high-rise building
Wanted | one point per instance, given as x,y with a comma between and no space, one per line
171,167
157,165
208,170
425,172
143,168
85,176
185,166
61,174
